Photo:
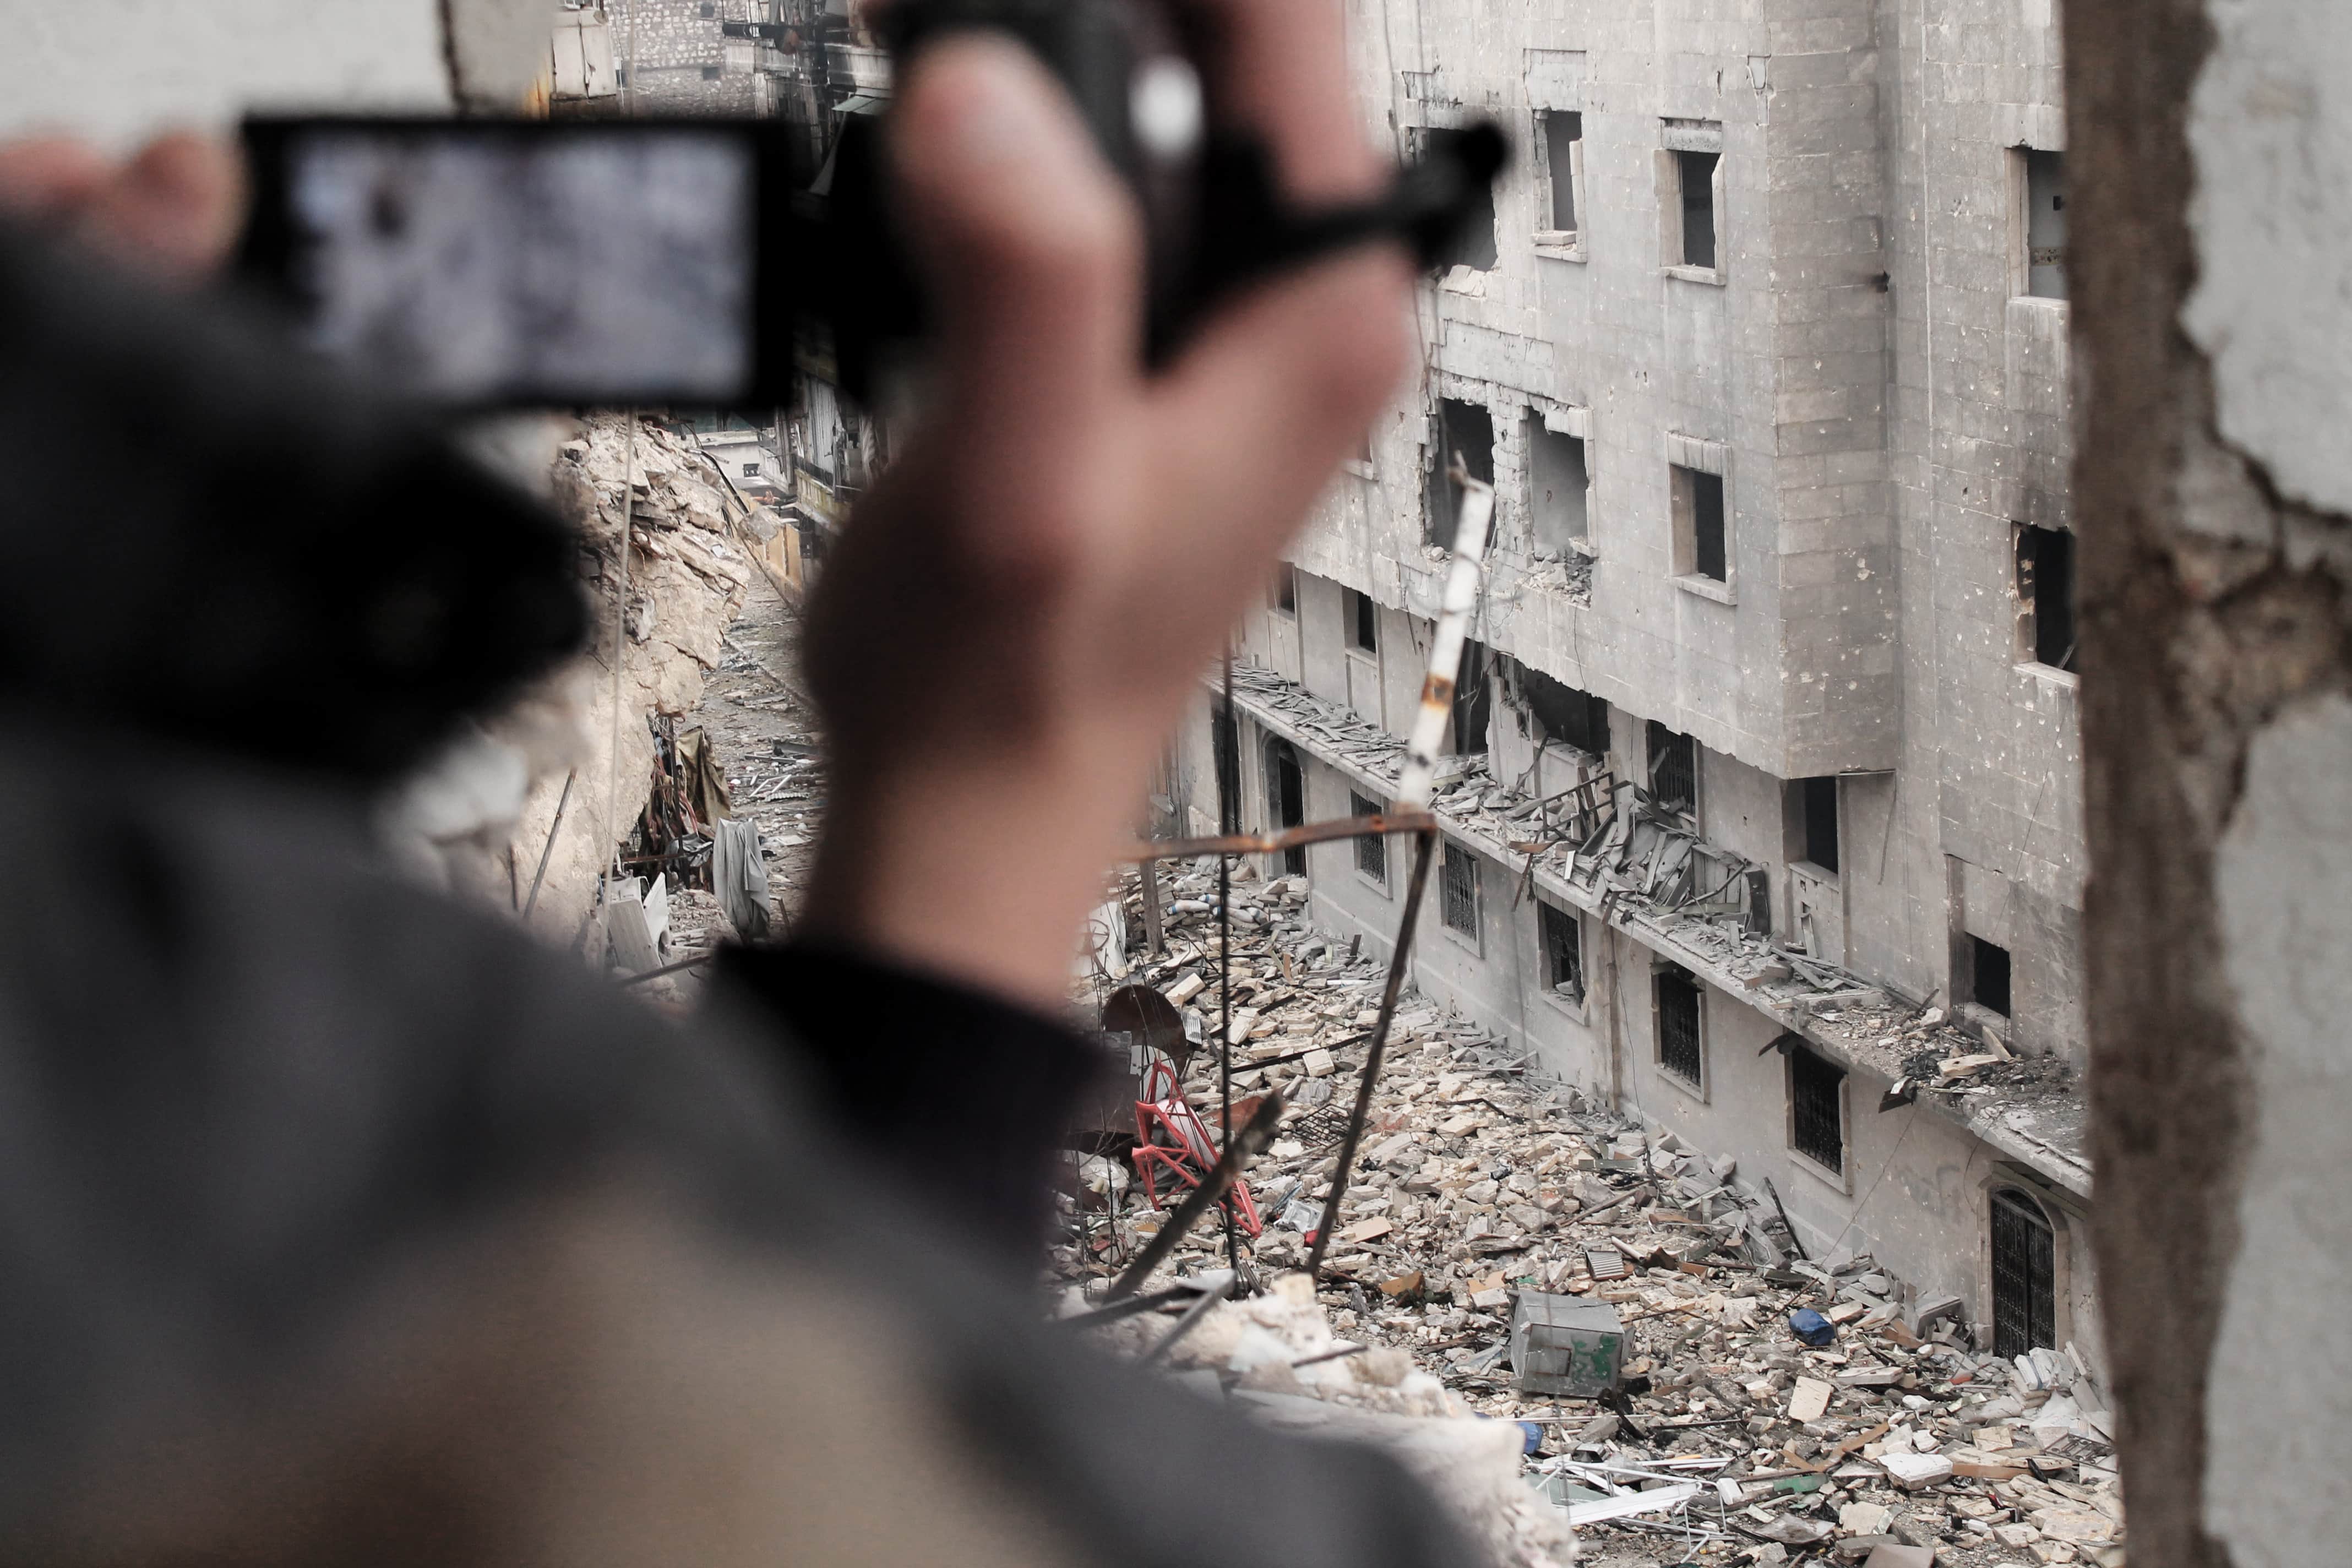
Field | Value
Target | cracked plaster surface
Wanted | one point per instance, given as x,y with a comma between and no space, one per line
2271,132
2282,1412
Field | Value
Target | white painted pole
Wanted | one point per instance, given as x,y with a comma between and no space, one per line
1419,782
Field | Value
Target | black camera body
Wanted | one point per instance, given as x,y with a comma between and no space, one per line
485,263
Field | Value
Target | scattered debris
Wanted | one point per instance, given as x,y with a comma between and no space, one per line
1486,1195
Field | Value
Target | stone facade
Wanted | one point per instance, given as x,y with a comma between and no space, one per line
681,62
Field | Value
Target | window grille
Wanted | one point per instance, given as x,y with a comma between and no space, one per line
1679,1046
1674,769
1816,1108
1372,853
1458,884
2024,1276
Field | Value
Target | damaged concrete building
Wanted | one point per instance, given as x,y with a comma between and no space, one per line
1764,822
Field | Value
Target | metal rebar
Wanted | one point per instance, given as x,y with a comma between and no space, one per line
1424,848
548,854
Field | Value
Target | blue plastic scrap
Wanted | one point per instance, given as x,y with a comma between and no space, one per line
1811,1327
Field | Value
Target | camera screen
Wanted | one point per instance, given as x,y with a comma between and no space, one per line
582,267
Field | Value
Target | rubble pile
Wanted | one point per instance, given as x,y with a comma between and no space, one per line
1484,1187
688,574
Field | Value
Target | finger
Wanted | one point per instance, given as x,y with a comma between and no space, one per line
44,177
1260,411
1030,245
1280,68
175,207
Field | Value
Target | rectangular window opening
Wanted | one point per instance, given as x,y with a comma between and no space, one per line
1817,1109
2045,223
1282,592
1989,975
1681,1050
1674,769
1364,623
1472,245
1563,951
711,73
1701,544
2046,592
1560,485
1371,852
1563,136
1473,701
1567,716
1458,890
1696,172
1820,805
1467,428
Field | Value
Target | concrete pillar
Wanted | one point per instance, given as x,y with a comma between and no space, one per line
2212,298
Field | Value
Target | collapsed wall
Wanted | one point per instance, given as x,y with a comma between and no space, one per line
481,821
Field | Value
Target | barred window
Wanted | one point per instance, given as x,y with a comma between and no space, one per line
1563,951
1459,884
1817,1108
1680,1049
1674,769
1372,853
2024,1274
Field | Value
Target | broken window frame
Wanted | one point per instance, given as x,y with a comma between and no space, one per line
1820,813
1702,519
1686,143
1582,718
1983,969
1468,247
2037,272
1457,424
1659,765
1458,891
2049,628
1371,850
1550,236
1559,934
1817,1119
1682,1048
1573,527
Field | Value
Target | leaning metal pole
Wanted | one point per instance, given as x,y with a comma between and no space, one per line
1415,788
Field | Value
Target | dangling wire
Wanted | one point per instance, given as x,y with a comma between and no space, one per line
1228,817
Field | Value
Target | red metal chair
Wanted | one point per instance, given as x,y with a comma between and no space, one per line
1171,1141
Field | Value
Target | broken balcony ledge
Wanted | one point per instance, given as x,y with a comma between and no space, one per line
2041,1125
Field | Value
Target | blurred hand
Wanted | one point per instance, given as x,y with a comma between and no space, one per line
173,209
1019,613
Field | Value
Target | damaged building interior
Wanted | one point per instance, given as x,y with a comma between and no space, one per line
1666,1115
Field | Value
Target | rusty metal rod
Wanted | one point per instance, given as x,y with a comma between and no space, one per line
672,969
1246,1146
1423,847
1382,826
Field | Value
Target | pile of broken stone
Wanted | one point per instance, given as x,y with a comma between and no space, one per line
1484,1191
